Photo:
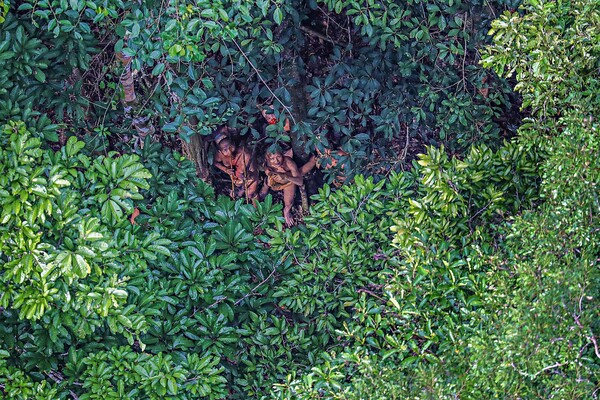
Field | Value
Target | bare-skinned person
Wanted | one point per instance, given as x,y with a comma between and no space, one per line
282,175
237,162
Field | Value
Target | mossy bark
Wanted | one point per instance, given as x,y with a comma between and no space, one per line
297,89
196,151
142,124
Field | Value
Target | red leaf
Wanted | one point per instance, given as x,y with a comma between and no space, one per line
136,212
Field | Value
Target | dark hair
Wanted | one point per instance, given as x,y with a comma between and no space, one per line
220,134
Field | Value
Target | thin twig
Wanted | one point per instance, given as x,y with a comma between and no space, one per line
405,150
549,367
539,372
593,339
464,79
55,376
480,211
256,287
286,108
210,306
326,13
370,292
319,35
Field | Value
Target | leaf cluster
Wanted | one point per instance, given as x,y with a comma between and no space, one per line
405,301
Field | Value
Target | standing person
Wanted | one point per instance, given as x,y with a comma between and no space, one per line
282,174
239,165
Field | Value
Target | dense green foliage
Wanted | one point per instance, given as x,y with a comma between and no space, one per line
196,296
374,76
74,270
430,288
470,273
534,331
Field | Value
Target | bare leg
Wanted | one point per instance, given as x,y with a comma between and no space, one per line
252,189
288,200
264,191
239,192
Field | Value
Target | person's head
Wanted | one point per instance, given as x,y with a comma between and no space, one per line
226,147
274,159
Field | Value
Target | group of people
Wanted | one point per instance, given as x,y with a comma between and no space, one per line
282,173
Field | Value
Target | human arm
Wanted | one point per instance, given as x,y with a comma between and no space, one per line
309,166
294,176
264,190
218,162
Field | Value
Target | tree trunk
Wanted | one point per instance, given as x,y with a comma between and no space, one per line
196,151
127,79
297,90
142,125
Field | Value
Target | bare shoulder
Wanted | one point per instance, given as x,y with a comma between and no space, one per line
289,162
291,166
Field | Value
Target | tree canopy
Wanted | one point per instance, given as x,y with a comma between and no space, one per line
451,246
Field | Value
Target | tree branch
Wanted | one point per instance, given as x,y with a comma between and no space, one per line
58,378
593,340
255,287
286,108
320,36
